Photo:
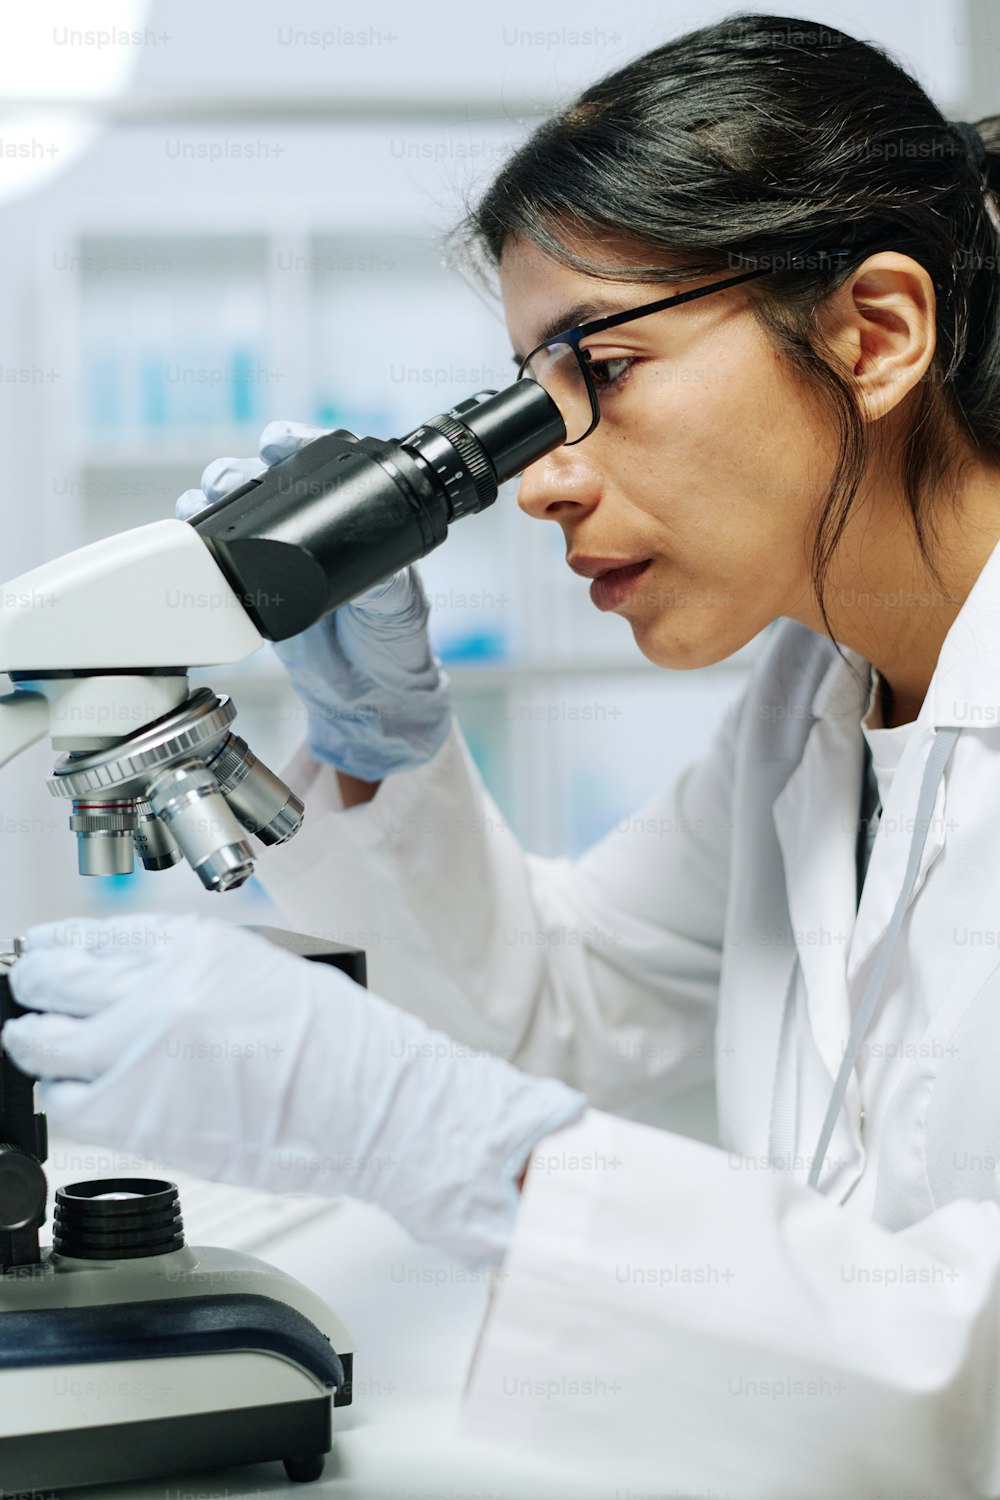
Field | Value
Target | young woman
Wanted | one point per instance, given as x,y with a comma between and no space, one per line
813,435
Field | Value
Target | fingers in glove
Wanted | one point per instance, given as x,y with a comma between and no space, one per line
223,475
59,1047
189,504
400,601
141,933
281,439
73,984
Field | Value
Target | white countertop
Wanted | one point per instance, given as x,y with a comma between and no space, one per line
414,1317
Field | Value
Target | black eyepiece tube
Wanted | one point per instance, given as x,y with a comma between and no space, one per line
516,427
343,513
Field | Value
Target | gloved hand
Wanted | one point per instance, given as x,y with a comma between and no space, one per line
198,1044
375,694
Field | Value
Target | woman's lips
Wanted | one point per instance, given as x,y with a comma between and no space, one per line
613,587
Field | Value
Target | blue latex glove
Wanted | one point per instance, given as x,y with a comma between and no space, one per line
375,695
197,1044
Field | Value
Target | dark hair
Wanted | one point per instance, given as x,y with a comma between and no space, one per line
763,140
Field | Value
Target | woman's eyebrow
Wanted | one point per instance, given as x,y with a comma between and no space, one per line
572,317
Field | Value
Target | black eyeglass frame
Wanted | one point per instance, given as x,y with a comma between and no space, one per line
572,336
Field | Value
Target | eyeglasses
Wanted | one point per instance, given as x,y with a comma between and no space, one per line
566,371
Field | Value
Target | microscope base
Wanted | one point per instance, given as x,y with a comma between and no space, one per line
124,1359
297,1433
201,1358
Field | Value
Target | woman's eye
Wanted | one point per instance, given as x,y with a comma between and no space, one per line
606,372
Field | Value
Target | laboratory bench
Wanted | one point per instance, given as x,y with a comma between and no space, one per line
414,1316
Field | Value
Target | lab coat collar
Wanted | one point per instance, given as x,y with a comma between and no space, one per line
818,854
843,691
964,691
965,688
842,699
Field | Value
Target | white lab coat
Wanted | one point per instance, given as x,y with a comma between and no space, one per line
696,1320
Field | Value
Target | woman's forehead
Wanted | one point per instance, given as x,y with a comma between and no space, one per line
541,293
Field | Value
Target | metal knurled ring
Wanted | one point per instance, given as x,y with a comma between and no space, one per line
201,720
473,457
229,765
97,822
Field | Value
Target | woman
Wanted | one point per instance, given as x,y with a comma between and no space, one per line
813,1310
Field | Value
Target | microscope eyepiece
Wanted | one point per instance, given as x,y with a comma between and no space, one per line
308,535
512,428
343,513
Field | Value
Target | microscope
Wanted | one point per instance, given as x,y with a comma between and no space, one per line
125,1353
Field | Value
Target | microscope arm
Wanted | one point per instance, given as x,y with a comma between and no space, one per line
152,599
24,720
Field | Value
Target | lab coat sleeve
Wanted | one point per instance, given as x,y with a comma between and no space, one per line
601,970
692,1324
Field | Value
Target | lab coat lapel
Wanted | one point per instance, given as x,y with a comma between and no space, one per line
891,848
964,690
759,949
815,818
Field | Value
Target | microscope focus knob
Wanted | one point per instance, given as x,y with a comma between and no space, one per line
23,1190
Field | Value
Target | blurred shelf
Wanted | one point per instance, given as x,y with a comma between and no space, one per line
503,673
265,678
194,451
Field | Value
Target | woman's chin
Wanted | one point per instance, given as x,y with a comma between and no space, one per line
664,645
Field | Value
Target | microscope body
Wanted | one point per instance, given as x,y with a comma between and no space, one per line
125,1353
98,643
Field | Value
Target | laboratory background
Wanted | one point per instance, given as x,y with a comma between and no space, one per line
213,216
218,213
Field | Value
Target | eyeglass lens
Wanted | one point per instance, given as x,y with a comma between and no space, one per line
557,369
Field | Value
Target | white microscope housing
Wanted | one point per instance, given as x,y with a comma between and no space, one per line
98,644
124,1352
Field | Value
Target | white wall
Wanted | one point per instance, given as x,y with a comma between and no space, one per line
518,52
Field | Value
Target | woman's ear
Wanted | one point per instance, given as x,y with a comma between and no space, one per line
881,326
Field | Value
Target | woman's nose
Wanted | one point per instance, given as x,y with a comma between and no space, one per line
557,485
